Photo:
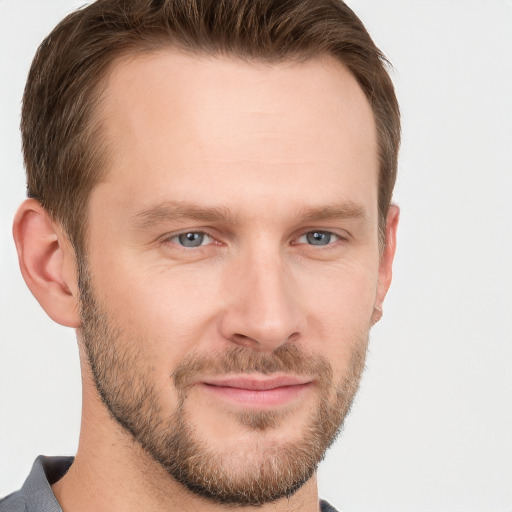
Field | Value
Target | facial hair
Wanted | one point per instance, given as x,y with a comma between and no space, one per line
269,471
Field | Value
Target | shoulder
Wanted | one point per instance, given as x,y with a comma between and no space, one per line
36,494
14,502
324,507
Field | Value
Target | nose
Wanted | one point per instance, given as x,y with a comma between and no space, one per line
263,311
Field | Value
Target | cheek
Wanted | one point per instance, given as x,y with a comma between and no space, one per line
167,309
174,310
339,310
343,292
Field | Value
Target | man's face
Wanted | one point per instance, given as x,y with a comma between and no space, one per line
232,265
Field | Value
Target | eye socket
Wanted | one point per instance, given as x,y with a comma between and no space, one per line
318,238
191,239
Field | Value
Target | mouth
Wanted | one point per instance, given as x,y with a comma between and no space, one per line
257,392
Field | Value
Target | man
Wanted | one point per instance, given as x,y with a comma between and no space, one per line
209,207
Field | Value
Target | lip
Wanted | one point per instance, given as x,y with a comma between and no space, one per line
257,392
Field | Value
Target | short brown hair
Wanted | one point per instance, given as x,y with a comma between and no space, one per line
61,134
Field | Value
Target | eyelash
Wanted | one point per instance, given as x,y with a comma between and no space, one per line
321,233
174,239
185,233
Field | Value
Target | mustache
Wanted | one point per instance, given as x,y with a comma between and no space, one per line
285,359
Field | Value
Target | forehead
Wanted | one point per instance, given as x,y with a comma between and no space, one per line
171,118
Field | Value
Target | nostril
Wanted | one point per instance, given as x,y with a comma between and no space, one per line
242,339
264,342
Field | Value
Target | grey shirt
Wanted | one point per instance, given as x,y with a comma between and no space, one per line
36,495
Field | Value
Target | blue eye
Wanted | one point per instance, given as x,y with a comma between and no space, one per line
318,238
192,239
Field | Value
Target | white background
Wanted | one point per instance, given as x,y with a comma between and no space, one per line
431,429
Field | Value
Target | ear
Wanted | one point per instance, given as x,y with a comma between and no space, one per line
386,261
47,262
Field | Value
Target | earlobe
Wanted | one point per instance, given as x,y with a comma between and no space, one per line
386,259
47,263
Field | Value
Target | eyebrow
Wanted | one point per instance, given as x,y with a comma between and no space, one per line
180,210
341,211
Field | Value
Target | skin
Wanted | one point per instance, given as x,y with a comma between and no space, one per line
280,150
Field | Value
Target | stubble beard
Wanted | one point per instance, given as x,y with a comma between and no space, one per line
266,473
